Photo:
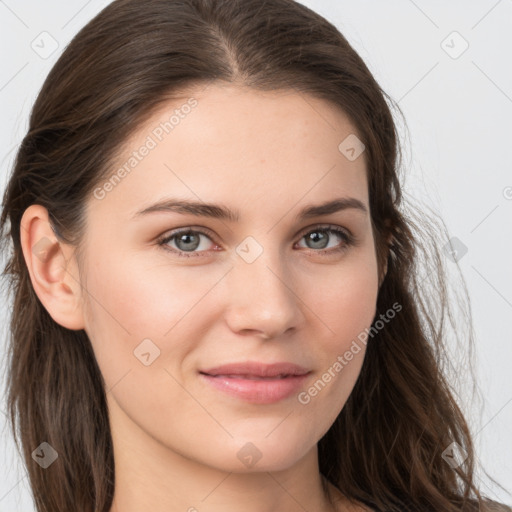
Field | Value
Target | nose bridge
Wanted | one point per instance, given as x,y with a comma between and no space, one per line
261,298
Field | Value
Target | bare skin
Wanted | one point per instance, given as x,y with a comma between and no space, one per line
177,439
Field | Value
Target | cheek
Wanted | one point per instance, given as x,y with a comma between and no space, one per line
130,302
345,300
347,306
137,299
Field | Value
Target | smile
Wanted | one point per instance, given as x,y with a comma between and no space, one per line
255,389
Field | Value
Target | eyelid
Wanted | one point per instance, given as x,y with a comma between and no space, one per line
321,226
166,237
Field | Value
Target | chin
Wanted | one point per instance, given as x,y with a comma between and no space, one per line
252,456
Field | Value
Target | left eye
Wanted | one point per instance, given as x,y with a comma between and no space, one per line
188,241
319,242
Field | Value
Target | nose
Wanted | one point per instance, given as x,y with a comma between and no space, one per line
261,297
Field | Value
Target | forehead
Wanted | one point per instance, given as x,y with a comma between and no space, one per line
238,145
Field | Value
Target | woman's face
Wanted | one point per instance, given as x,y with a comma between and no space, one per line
270,286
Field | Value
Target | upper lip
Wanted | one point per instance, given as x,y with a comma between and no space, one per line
257,369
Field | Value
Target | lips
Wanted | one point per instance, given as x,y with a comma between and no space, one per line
257,383
257,370
250,377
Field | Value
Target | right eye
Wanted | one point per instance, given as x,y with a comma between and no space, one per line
186,241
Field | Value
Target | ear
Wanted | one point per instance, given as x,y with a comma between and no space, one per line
52,268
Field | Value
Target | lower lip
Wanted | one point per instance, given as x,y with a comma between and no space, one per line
262,391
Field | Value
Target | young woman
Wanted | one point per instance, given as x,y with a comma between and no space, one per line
215,304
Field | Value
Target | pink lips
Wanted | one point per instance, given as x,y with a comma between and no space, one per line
257,382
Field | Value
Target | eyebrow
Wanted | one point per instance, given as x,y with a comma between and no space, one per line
219,211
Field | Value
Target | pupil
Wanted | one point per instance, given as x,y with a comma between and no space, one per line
315,238
184,237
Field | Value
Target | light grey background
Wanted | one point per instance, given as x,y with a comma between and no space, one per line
458,155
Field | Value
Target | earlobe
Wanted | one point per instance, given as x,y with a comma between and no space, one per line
52,268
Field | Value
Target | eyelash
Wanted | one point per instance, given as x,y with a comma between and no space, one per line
348,239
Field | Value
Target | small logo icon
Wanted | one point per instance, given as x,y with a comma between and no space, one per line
146,352
454,455
455,249
507,193
44,45
249,455
351,147
45,455
249,249
454,45
42,248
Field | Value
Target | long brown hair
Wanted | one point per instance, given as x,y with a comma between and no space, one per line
385,448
